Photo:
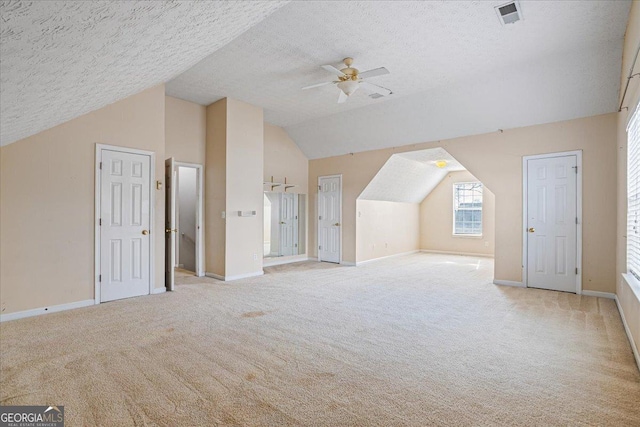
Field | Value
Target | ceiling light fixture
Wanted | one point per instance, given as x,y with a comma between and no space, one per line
441,163
348,86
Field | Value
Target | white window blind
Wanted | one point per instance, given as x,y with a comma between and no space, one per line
467,208
633,195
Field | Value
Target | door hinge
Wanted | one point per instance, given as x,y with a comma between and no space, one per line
576,220
100,165
319,248
576,168
100,222
576,270
100,278
320,217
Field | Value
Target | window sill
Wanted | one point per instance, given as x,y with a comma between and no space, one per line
633,283
468,236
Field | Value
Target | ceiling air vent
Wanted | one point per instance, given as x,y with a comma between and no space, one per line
375,95
509,13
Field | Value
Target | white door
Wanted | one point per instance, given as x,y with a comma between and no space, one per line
125,218
170,179
552,223
287,219
329,218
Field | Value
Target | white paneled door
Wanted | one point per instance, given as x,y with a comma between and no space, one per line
329,218
125,218
552,223
287,221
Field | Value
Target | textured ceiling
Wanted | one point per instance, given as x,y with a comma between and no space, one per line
410,177
61,59
454,69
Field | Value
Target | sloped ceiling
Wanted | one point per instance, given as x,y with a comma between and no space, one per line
455,70
61,59
410,177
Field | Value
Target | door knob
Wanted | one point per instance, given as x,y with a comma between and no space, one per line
532,230
145,232
169,230
282,222
337,224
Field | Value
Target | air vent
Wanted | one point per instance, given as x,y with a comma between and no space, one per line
375,95
509,13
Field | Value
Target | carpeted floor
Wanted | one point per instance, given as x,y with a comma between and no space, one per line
413,341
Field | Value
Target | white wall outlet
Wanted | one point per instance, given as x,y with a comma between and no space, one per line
486,244
255,256
224,214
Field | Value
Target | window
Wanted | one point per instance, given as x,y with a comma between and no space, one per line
467,209
633,195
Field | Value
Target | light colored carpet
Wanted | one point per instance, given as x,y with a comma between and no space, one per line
413,341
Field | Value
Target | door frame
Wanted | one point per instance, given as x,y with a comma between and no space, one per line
199,212
339,176
525,234
97,206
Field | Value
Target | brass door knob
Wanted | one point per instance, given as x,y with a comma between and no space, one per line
337,224
532,230
145,232
169,230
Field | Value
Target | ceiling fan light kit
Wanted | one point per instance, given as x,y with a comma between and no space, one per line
350,79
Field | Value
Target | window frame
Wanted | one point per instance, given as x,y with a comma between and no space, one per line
454,209
632,272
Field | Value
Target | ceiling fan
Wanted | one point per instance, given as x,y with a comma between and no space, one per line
350,79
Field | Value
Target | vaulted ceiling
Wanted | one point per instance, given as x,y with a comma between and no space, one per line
62,59
410,177
455,70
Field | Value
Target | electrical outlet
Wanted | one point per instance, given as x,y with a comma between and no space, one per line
486,244
255,257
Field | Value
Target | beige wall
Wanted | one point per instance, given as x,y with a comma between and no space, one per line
436,220
386,228
233,182
185,130
496,160
628,299
47,210
215,187
283,159
245,165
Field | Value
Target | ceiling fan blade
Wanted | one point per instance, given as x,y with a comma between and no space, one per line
342,98
333,70
317,85
373,73
371,88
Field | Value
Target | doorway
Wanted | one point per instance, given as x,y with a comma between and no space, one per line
124,211
552,219
184,217
330,218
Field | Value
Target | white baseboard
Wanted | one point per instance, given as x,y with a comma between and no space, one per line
159,290
599,294
387,257
429,251
348,263
214,276
509,283
236,277
45,310
284,260
628,331
312,258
